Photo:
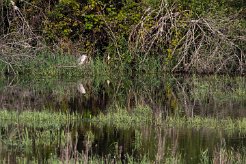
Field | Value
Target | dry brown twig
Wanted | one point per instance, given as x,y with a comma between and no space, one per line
21,43
200,44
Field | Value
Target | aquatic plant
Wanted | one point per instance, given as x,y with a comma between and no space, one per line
222,155
228,125
214,87
36,119
121,118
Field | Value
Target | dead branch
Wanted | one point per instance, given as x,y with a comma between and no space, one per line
195,44
21,43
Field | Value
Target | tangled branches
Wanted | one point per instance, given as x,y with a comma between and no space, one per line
204,45
18,43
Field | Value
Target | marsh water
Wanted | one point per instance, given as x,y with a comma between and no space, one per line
217,97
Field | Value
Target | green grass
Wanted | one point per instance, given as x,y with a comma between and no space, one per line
42,128
220,156
107,159
141,116
215,87
46,65
36,119
121,118
228,125
24,139
223,156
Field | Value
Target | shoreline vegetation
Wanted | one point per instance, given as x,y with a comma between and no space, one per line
140,116
38,119
133,49
221,155
139,119
172,36
122,119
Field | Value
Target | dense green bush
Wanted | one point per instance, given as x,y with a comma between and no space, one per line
88,21
91,23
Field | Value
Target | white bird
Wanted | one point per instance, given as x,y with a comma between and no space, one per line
81,89
14,6
82,59
108,82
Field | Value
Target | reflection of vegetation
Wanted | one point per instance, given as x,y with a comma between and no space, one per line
34,133
211,95
223,156
146,90
25,138
91,160
220,156
40,133
219,88
120,118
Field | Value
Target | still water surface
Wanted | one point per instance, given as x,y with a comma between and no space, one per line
210,96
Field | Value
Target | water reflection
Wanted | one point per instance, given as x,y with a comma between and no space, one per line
206,96
154,142
218,97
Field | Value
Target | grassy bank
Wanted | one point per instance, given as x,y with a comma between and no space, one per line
121,118
228,125
25,130
45,65
36,119
143,116
50,132
49,65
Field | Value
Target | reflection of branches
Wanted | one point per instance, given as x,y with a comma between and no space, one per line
187,103
161,144
175,138
162,147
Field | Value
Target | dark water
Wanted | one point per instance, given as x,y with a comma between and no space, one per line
219,97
